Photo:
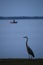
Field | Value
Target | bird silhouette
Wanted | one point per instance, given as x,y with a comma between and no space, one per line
29,50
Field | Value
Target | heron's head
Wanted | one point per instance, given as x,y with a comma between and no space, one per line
25,37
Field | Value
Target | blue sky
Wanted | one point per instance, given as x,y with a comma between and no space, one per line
12,45
21,8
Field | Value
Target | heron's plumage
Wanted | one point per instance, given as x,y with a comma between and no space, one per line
29,50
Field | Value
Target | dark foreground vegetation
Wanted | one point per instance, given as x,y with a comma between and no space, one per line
21,61
21,17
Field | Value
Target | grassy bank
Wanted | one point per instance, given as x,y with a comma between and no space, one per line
21,61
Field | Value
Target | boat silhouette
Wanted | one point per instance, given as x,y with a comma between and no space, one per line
12,22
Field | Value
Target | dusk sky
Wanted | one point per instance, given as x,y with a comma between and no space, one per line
12,45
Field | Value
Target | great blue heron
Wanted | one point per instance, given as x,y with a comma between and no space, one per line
29,50
14,22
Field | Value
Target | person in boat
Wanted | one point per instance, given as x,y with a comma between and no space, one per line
14,21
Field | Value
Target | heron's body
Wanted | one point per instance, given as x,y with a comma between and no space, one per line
29,50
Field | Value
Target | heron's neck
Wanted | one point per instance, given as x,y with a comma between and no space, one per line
26,41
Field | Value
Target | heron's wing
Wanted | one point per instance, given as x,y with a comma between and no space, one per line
29,50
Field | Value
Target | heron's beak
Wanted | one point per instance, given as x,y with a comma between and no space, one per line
26,37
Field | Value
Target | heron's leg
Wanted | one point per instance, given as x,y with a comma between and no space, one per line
29,57
32,57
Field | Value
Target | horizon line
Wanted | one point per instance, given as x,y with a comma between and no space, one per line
20,17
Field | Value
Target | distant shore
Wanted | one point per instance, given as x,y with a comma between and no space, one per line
20,17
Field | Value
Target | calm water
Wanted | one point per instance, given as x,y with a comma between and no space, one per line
12,45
